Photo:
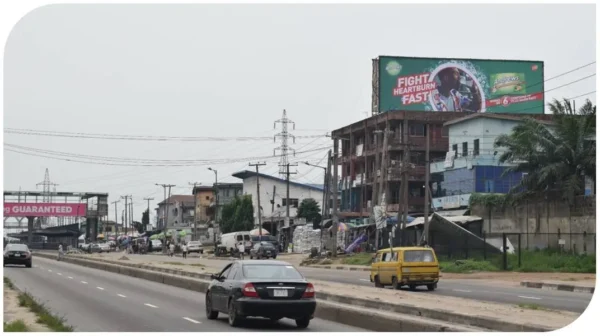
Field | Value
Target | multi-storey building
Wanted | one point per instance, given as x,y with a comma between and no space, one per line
226,192
358,158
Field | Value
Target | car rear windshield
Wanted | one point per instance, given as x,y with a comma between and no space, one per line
18,247
275,272
418,256
267,245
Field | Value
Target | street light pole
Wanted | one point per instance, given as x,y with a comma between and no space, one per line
216,187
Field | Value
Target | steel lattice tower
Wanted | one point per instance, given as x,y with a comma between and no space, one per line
284,149
47,193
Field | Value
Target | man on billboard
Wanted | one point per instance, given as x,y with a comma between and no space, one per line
454,94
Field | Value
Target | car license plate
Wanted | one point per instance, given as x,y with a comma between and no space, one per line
17,254
280,293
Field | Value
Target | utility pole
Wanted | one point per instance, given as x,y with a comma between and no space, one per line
148,199
166,210
383,183
335,195
327,193
194,236
131,213
256,165
216,187
126,218
425,236
272,208
287,191
116,219
374,196
404,187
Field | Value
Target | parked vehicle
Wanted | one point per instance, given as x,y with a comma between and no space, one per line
230,241
104,247
260,288
94,248
270,239
195,247
406,266
263,250
157,245
17,254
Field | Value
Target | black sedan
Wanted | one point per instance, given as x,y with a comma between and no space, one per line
263,250
255,288
17,254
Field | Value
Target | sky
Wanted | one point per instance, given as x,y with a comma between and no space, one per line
229,71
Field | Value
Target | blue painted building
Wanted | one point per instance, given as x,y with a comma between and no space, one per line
471,165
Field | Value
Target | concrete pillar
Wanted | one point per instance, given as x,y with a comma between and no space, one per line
30,222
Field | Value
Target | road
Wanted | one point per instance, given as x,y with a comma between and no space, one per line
468,289
98,301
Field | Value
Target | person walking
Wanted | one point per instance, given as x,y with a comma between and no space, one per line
241,250
172,249
60,251
184,250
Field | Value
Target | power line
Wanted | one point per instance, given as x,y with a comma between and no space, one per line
139,137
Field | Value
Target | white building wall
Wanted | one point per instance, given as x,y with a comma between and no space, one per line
266,194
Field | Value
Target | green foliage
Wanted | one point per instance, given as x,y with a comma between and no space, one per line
358,259
488,200
145,217
309,209
139,227
555,158
238,215
532,261
15,326
44,316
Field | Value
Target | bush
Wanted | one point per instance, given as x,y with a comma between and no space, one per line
16,326
467,266
358,259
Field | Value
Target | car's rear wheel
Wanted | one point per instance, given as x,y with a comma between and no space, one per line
210,313
303,323
234,319
431,287
412,287
28,265
395,284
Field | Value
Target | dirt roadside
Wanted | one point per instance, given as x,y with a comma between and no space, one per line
551,319
14,312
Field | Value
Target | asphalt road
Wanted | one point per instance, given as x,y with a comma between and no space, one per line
468,289
97,301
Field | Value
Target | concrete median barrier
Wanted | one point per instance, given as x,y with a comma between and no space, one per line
378,316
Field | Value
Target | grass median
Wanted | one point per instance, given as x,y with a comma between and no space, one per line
44,316
15,326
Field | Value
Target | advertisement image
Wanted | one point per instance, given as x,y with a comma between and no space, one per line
45,209
426,84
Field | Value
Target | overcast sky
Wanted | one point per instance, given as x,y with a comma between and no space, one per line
230,70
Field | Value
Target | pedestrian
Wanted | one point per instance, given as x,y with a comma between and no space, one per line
184,250
172,249
60,251
241,250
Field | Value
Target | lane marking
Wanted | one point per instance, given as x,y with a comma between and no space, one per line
58,274
367,280
83,282
193,321
462,290
100,288
529,297
49,270
149,305
70,277
121,295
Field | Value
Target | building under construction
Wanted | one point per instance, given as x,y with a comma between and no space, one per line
393,146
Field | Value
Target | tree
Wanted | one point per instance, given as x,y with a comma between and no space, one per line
145,218
309,209
139,227
238,215
556,158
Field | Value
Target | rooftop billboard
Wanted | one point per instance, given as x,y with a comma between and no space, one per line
458,85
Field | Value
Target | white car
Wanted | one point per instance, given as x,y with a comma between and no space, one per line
195,246
157,245
104,247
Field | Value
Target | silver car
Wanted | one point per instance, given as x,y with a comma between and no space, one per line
195,246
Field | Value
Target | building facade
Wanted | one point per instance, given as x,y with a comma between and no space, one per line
363,141
226,192
472,165
274,188
204,202
176,212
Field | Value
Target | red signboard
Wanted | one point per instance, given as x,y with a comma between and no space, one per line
45,209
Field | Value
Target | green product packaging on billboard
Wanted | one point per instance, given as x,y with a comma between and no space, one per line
459,85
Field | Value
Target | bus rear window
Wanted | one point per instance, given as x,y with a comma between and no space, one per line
418,256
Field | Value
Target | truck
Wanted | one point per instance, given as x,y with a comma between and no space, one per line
230,241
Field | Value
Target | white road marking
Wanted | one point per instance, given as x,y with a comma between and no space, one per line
367,280
100,288
149,305
83,282
49,270
121,295
529,297
193,321
70,277
462,290
58,274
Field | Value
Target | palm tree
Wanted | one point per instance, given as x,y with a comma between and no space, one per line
556,157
